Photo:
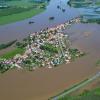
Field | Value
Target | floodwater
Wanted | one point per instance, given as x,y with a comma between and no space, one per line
21,29
44,83
88,10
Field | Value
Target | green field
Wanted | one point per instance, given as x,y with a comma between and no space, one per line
19,10
86,95
4,46
19,16
98,63
83,3
12,53
22,4
98,3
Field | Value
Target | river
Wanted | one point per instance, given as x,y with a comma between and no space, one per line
21,29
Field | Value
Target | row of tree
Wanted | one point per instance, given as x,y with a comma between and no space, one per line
3,46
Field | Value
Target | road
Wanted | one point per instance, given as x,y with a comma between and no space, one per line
77,87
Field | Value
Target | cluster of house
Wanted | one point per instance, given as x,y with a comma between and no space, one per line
48,48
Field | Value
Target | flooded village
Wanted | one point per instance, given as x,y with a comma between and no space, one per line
49,48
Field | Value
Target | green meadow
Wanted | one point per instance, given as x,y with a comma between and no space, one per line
19,10
12,53
86,95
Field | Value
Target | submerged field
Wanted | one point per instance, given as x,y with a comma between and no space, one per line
90,10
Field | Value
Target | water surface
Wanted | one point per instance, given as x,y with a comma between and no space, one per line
21,29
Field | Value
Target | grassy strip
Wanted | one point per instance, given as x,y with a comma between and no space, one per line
98,3
97,91
13,10
86,95
21,3
98,63
75,53
4,46
69,89
49,47
19,16
80,3
12,53
94,21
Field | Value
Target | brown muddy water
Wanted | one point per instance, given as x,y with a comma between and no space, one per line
44,83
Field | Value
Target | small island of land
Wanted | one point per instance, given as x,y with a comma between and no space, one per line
47,48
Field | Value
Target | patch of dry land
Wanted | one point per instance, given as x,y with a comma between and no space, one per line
43,82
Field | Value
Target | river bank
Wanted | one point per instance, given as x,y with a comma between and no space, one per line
20,10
